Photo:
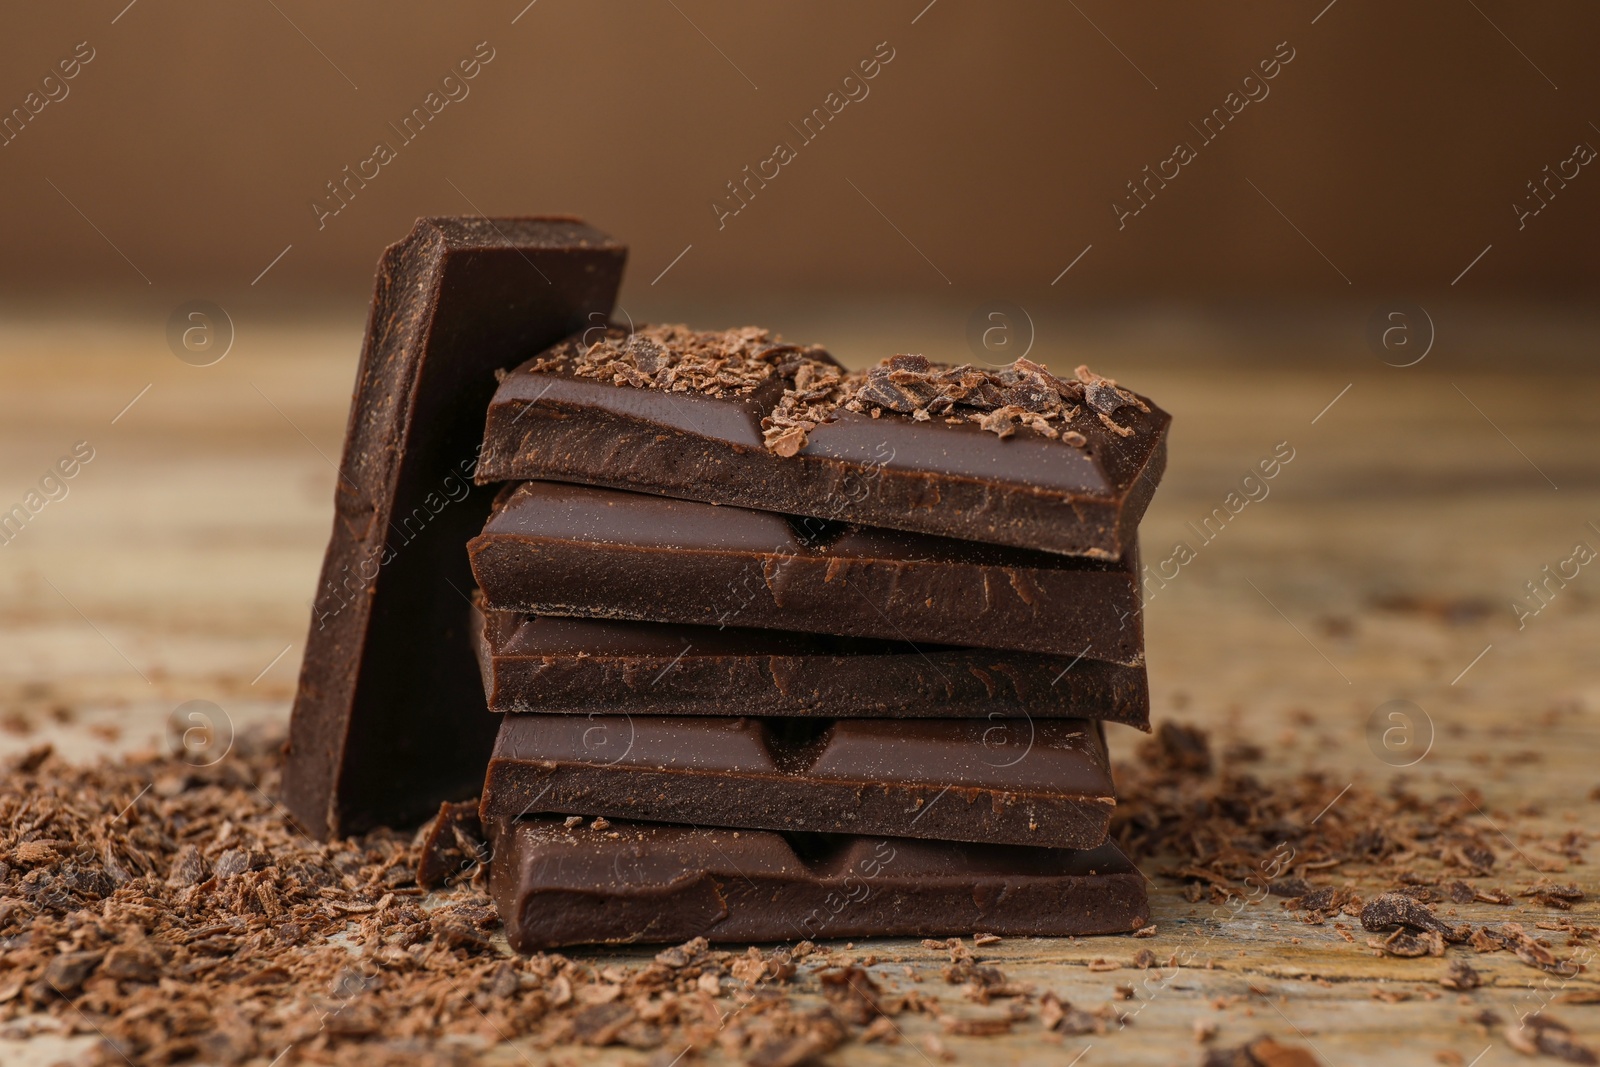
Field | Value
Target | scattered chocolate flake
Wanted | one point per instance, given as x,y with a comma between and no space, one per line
1476,858
816,391
678,359
237,861
1103,394
1541,1034
979,982
853,993
1262,1052
1422,894
453,845
1060,1016
977,1026
34,758
1023,394
66,973
1461,976
909,383
199,925
1396,909
1560,897
881,1029
1177,749
1407,944
806,1038
601,1024
1530,950
1234,838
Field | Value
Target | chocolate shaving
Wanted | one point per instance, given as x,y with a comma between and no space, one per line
452,846
1408,945
1541,1034
1001,400
1177,749
678,359
1513,938
1396,909
1262,1052
853,994
199,925
1461,976
1060,1016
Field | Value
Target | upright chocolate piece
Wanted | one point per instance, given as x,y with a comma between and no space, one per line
554,665
557,549
1006,781
1012,456
389,718
631,882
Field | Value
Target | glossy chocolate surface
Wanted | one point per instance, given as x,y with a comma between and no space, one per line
556,885
561,665
1009,781
389,719
557,549
945,477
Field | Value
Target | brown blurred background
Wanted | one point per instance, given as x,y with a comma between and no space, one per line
985,157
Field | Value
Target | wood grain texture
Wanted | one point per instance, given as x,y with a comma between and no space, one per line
1381,565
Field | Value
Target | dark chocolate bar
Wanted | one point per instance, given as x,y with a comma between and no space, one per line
1012,456
554,665
556,885
1006,781
389,719
556,549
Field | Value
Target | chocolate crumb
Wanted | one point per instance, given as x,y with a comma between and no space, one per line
452,846
1461,976
853,993
1021,395
1262,1052
204,927
1395,909
1541,1034
1177,749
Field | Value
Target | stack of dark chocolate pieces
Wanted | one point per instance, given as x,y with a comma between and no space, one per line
783,651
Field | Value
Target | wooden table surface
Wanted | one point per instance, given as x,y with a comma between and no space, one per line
180,564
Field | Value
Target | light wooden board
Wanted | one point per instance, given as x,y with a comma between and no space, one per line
180,563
